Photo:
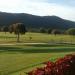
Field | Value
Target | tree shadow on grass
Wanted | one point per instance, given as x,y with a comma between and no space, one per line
3,48
52,45
36,50
48,50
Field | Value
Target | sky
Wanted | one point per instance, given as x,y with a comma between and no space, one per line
62,8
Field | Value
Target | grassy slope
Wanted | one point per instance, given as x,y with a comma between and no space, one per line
24,57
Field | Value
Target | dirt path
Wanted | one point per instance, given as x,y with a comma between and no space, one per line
21,43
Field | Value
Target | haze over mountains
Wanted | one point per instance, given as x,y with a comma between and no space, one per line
33,21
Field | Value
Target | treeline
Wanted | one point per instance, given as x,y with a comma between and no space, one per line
17,28
70,31
20,28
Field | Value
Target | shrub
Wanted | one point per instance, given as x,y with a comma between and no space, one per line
55,31
62,66
42,30
71,31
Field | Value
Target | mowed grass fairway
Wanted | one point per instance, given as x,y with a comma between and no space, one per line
36,37
16,59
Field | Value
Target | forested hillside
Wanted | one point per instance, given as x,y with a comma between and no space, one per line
32,21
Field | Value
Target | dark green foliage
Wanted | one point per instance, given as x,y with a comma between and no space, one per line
19,28
11,28
49,31
42,30
4,29
56,31
71,31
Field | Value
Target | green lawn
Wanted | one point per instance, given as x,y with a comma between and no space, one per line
16,59
36,37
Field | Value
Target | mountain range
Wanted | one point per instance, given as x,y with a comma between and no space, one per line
33,21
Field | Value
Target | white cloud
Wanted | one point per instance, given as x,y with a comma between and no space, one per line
37,7
44,8
9,3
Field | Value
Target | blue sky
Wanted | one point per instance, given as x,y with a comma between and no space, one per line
62,8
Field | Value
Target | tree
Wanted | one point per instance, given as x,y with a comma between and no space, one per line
55,31
42,30
71,31
4,29
49,31
19,28
11,28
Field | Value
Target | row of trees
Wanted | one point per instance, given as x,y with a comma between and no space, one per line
70,31
18,28
21,29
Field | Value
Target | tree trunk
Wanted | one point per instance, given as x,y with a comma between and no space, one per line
18,37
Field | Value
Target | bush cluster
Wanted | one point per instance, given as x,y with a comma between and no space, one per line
62,66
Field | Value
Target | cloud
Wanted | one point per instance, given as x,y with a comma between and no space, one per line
6,3
38,7
45,8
